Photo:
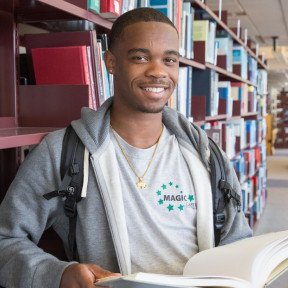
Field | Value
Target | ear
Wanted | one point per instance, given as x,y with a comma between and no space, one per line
110,61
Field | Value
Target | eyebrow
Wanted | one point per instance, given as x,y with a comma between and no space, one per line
146,51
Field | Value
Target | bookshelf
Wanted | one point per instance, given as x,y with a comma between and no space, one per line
282,120
22,136
203,6
21,120
228,75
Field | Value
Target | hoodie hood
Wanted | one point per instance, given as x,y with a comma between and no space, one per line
93,136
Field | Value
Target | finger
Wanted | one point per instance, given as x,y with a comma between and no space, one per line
100,272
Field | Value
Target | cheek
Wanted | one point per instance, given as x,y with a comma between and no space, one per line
174,77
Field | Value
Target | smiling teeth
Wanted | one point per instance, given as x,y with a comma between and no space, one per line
154,89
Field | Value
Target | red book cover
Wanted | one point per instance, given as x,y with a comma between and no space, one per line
110,9
66,39
60,65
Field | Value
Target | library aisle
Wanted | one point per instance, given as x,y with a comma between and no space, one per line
275,216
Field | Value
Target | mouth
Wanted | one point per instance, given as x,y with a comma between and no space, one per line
154,89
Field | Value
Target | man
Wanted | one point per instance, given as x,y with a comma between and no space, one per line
148,205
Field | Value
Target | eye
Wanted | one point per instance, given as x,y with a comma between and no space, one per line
170,60
140,59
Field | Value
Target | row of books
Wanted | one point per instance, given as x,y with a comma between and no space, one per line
181,13
254,195
181,99
236,134
221,95
111,9
70,58
77,58
282,120
254,184
248,161
218,44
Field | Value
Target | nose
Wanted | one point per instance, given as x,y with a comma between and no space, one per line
156,69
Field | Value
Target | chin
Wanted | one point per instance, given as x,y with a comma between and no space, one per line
152,110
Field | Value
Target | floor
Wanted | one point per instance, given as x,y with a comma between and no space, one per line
275,214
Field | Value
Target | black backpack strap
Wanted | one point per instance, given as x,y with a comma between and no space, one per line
71,170
222,191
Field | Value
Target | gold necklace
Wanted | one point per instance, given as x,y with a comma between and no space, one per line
141,183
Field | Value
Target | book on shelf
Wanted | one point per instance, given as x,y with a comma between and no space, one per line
252,69
186,41
248,263
215,135
102,74
181,97
205,30
230,140
225,94
174,10
53,65
63,39
63,65
251,132
240,60
205,83
224,45
262,81
252,99
239,92
163,6
94,6
110,9
128,5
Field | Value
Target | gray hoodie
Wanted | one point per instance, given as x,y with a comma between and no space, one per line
101,236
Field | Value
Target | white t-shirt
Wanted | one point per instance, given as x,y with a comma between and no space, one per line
161,218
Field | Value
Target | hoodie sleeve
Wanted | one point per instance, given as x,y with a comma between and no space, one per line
237,226
24,215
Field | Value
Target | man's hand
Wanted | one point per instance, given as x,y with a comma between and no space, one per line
83,275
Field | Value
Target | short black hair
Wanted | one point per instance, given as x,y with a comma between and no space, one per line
143,14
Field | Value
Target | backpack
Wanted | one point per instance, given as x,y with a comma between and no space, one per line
71,170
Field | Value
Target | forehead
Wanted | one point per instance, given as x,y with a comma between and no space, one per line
149,35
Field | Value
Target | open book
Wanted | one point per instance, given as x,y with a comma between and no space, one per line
248,263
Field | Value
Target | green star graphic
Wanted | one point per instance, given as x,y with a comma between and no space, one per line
191,198
170,183
170,207
160,201
181,207
164,187
177,186
158,192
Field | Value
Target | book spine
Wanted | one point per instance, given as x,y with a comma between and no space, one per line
99,85
103,95
86,73
110,8
94,6
92,81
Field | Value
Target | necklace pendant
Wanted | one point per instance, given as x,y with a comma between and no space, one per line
141,184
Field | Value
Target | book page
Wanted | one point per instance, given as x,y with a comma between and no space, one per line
149,280
241,259
278,271
243,264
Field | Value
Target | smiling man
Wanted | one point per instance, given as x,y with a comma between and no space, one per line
148,205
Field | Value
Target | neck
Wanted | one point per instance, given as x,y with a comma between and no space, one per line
141,130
